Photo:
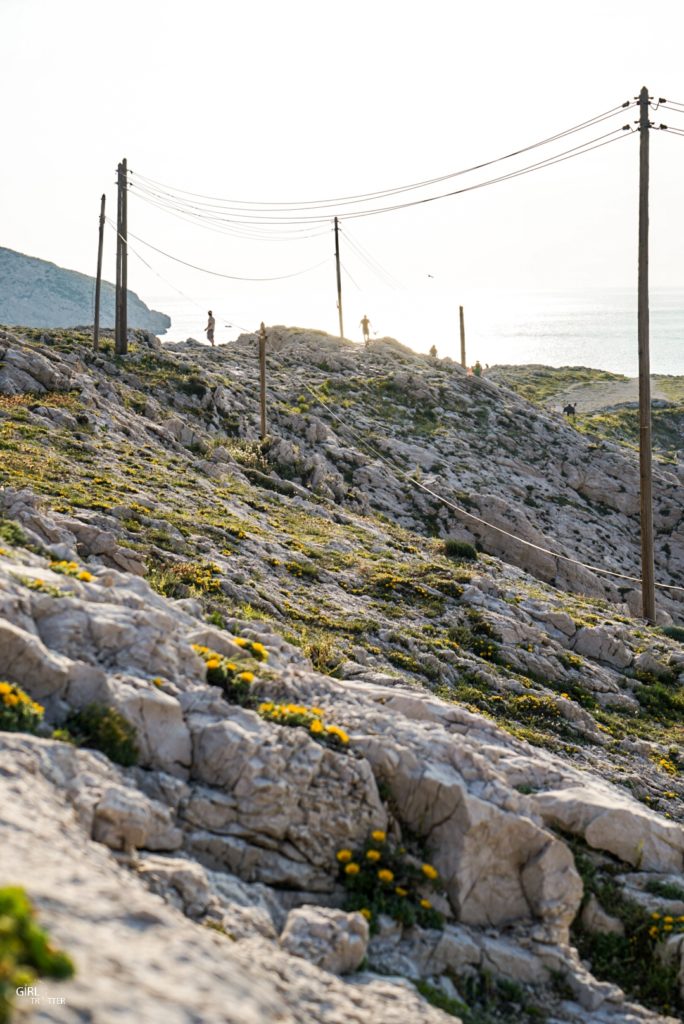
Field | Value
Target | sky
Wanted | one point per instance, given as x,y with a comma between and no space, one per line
266,101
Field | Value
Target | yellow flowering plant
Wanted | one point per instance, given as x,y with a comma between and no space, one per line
18,713
381,878
230,676
72,569
310,719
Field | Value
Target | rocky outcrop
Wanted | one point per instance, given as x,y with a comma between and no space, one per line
502,732
36,293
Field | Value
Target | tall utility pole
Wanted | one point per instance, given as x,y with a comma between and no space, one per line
339,276
262,380
646,490
98,279
117,299
462,325
121,346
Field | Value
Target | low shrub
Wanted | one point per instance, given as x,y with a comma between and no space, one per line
233,679
381,878
18,713
26,952
674,633
105,729
460,550
310,719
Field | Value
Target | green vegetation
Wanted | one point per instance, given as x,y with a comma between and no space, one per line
487,1001
539,383
629,960
311,719
105,729
667,890
18,713
382,878
26,952
460,550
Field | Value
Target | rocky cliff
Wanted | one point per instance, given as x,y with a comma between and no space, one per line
41,294
352,766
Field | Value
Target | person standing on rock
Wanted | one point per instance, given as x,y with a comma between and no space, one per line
211,324
365,325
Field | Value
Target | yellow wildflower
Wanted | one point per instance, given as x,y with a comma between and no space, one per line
266,706
656,916
316,726
352,869
335,730
240,641
213,662
378,836
231,666
317,711
385,875
429,871
401,892
366,913
85,576
426,905
653,931
344,856
373,855
246,677
668,919
667,927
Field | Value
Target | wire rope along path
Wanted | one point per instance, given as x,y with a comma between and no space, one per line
477,519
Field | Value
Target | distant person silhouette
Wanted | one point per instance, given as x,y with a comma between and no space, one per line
365,325
477,368
433,352
211,324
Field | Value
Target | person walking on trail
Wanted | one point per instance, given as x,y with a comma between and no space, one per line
365,325
211,324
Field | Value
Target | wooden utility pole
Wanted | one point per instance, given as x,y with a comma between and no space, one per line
645,466
462,324
117,298
339,276
262,379
122,347
98,279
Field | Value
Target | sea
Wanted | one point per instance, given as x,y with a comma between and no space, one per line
591,327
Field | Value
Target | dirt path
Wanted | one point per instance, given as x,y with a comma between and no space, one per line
601,395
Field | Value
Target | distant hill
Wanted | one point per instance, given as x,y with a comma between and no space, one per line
35,293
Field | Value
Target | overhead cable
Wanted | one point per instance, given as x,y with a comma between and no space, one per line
230,277
370,196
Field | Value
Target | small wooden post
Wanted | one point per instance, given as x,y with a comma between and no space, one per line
98,279
339,276
462,324
262,379
645,463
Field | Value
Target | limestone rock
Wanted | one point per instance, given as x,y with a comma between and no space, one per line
331,939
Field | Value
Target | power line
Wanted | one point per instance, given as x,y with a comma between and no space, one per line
369,196
170,284
478,519
560,158
229,277
579,150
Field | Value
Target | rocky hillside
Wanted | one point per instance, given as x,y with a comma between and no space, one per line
41,294
301,752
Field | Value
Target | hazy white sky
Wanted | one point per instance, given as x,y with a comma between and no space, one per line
307,99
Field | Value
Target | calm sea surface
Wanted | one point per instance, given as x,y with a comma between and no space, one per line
593,327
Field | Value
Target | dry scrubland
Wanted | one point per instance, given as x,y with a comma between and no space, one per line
288,739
